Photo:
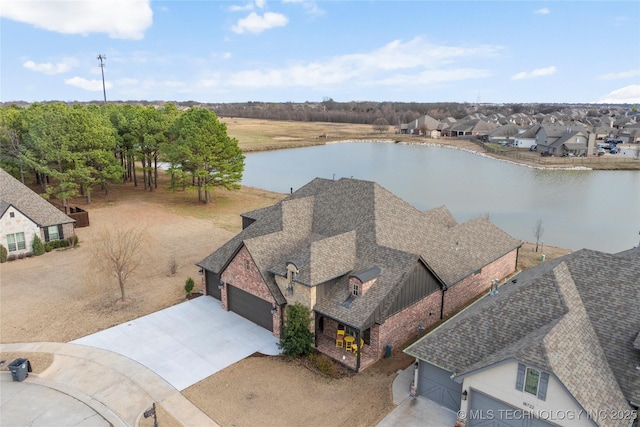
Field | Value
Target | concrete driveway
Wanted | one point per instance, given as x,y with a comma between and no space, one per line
186,343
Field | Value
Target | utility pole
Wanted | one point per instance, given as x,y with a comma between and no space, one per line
101,58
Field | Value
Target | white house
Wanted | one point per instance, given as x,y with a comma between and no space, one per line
24,214
559,345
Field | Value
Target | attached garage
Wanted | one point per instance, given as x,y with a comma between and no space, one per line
485,411
250,306
436,384
212,280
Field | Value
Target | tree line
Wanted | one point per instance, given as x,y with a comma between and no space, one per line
70,150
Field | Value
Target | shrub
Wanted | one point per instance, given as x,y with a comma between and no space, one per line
188,285
324,364
55,244
37,246
3,254
173,266
296,337
72,241
12,257
28,254
21,255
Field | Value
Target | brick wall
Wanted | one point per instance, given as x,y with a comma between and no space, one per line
362,287
398,328
243,273
462,293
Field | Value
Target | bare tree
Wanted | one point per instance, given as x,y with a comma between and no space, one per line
380,125
424,129
119,253
538,231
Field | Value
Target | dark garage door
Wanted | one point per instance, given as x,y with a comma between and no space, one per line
436,384
253,308
486,411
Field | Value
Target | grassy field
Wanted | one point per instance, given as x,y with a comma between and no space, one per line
258,135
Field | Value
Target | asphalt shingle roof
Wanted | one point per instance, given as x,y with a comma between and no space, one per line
40,211
577,316
334,228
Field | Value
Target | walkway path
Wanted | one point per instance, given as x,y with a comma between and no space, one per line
113,386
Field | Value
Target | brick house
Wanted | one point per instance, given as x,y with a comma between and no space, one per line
557,345
361,259
25,214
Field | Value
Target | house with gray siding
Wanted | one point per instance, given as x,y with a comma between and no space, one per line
559,344
362,260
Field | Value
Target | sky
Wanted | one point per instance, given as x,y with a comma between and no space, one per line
309,51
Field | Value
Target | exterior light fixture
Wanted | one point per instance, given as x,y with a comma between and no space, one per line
464,395
274,309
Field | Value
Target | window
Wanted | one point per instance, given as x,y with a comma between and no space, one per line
246,264
53,232
356,289
12,214
531,381
15,242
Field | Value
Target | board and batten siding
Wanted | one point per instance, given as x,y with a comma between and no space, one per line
419,284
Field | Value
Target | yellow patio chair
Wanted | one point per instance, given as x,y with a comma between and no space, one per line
340,342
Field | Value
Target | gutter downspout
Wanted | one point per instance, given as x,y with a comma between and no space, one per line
359,350
442,303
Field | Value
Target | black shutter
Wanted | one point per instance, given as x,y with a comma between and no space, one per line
520,379
46,233
542,388
60,233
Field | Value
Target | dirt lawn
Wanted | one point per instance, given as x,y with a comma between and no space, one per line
61,296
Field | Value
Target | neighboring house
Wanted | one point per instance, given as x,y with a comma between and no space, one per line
571,143
417,126
471,127
559,140
527,139
504,134
557,345
360,259
24,214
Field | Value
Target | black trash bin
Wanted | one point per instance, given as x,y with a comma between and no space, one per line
20,369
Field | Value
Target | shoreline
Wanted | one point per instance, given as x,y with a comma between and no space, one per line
468,150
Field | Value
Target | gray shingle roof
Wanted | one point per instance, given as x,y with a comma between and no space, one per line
40,211
339,227
576,316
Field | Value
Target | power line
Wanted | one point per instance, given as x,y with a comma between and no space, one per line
101,58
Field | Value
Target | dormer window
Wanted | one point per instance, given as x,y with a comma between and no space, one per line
356,289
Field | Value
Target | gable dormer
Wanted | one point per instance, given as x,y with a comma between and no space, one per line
360,282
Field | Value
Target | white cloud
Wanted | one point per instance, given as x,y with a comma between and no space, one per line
538,72
50,68
621,75
626,95
405,62
256,24
311,7
542,11
120,19
91,85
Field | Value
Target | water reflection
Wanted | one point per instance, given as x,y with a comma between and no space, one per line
580,209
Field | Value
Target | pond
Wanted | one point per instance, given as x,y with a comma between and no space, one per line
579,208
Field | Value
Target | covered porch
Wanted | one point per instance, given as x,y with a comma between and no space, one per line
327,345
326,336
